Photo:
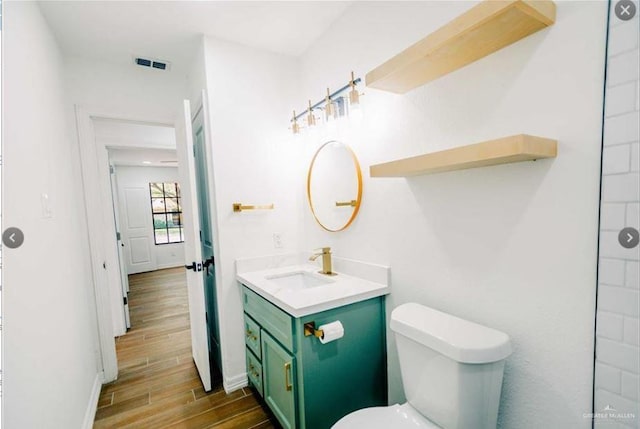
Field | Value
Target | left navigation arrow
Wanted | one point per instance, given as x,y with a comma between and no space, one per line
12,237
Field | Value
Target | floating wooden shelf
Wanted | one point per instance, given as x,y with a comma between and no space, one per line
484,29
516,148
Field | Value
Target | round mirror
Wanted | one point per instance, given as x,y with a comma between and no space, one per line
334,186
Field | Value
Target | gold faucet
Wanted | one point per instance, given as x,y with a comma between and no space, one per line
325,252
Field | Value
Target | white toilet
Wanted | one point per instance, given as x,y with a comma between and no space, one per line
451,371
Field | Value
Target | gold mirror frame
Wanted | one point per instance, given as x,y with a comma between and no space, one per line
358,198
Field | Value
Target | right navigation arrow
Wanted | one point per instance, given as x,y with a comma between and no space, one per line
628,237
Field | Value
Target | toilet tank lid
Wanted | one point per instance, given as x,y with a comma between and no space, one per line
458,339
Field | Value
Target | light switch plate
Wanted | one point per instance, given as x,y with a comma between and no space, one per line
277,240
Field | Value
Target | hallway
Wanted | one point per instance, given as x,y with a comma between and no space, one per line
158,384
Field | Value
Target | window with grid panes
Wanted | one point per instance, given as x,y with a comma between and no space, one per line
166,210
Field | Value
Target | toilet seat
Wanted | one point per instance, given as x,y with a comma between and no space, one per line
396,417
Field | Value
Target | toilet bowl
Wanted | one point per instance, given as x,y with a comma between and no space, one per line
451,372
393,417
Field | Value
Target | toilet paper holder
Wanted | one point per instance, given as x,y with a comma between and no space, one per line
310,329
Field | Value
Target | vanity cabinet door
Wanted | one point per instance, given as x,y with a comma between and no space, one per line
271,318
254,371
252,336
279,381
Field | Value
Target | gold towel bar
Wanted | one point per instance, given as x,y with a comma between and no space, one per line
238,207
351,203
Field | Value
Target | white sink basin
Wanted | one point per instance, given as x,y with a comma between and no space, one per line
298,280
292,283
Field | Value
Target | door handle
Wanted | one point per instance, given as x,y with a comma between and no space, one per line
195,267
207,262
287,370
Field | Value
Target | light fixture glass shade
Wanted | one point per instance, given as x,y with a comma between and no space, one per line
340,104
354,98
295,127
311,119
354,95
331,111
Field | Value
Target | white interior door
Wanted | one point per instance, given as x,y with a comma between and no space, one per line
137,233
192,248
121,261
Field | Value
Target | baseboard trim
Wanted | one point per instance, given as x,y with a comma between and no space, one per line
232,384
170,265
92,406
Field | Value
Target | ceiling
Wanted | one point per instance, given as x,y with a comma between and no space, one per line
123,134
143,157
116,31
136,144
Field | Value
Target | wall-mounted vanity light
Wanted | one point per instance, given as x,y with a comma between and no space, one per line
334,105
330,110
295,127
354,95
311,119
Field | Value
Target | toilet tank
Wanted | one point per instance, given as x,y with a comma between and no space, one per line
451,368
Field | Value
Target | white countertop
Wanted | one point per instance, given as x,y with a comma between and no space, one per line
344,289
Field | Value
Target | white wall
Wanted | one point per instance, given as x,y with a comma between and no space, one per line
618,365
128,91
49,333
512,247
162,256
254,162
197,76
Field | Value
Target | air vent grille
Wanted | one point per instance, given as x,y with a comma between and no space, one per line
143,62
152,63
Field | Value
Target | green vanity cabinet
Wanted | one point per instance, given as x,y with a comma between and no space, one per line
307,384
252,336
280,382
254,371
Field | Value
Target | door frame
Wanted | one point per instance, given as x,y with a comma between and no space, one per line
201,104
124,281
106,272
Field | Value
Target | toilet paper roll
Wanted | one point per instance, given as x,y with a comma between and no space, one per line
332,331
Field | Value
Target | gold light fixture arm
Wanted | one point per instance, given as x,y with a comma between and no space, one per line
295,127
351,203
311,119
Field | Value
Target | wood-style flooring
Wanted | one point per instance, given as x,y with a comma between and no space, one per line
158,385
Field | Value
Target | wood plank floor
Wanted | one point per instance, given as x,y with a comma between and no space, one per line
158,385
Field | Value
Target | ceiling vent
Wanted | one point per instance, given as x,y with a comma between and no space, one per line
152,63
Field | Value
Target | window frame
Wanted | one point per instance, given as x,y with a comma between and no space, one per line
166,213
